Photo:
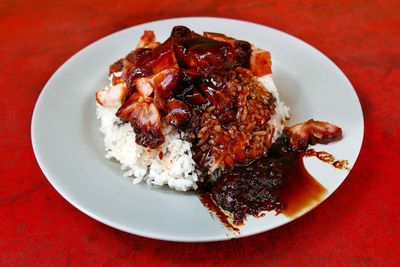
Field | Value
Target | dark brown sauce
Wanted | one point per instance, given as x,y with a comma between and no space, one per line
278,182
302,190
209,203
328,158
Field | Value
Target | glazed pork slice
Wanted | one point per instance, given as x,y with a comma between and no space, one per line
148,40
144,109
313,132
259,61
146,122
112,96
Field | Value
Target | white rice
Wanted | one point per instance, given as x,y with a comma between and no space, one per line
281,114
177,168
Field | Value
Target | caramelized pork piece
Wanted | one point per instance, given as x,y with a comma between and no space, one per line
167,83
163,57
179,114
194,98
216,90
220,37
260,62
127,107
157,59
139,57
209,53
112,96
242,53
152,96
129,75
242,50
204,54
162,84
180,33
190,76
313,132
116,66
246,55
148,40
117,78
146,122
145,86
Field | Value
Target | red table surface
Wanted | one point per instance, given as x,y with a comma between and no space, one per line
358,225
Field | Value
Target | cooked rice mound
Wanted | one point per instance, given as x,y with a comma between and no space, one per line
171,164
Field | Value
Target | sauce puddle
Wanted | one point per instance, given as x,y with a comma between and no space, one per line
278,182
302,190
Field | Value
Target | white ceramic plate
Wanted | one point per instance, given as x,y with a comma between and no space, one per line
69,148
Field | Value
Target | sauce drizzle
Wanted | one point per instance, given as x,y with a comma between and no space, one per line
328,158
209,203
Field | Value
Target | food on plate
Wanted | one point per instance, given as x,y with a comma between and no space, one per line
201,112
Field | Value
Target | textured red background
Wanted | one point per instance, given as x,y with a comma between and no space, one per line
358,225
